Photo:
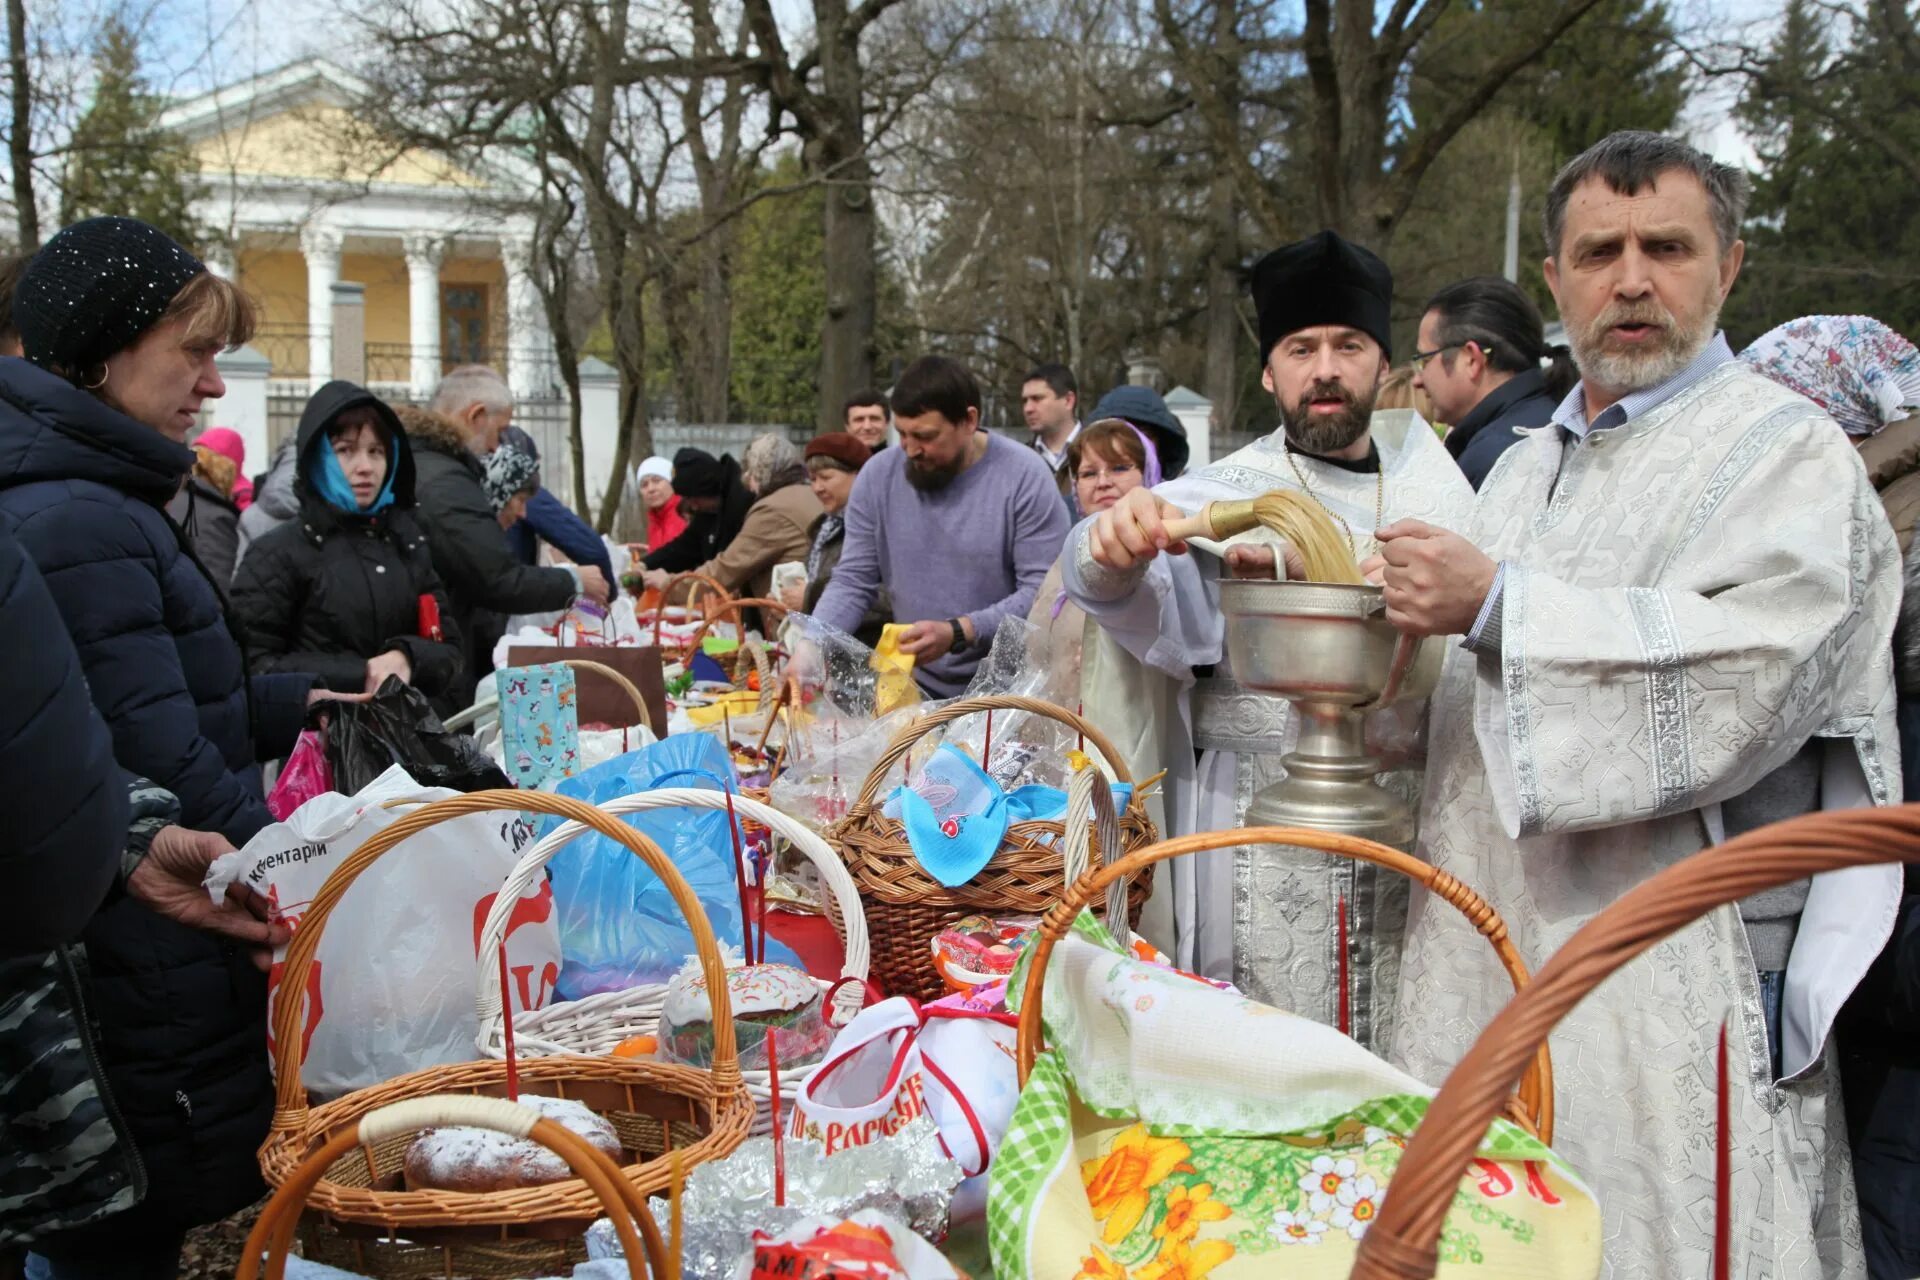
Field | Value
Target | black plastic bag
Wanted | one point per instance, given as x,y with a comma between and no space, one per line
398,726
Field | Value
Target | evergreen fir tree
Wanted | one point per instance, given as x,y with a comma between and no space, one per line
122,161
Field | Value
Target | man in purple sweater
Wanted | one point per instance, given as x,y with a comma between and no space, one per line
957,524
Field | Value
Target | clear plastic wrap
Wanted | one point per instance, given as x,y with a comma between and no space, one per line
908,1176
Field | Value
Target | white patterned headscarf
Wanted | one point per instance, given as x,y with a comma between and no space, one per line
1861,372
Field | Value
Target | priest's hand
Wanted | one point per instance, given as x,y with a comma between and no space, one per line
1255,560
1435,579
1133,531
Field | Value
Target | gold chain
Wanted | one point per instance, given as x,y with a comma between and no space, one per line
1379,497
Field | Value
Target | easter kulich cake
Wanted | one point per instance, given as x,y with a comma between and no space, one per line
458,1158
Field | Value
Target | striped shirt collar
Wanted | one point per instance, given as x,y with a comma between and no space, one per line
1572,413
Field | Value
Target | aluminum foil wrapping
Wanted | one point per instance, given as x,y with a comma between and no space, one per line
908,1175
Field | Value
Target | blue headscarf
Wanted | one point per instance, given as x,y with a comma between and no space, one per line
330,481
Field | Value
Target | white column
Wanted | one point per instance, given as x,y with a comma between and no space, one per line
244,407
599,425
529,358
321,245
424,254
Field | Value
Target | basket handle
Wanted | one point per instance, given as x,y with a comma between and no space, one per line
734,607
699,580
1089,812
626,686
1534,1098
289,1009
273,1232
532,865
904,740
1403,1243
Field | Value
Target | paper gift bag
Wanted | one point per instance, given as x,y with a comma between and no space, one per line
1174,1131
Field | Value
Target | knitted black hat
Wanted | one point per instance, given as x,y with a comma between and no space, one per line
1322,280
697,474
94,288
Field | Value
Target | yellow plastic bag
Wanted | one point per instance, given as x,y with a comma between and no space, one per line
893,686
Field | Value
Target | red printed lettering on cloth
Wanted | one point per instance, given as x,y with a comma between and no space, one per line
908,1104
1495,1181
1537,1184
848,1251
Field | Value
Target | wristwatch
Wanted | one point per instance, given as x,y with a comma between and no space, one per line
959,636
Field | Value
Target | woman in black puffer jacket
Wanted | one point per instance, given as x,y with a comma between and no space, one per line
337,592
120,327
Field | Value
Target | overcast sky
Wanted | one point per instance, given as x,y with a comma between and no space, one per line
251,36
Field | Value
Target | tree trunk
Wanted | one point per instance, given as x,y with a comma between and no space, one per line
20,144
846,335
1224,335
839,155
712,379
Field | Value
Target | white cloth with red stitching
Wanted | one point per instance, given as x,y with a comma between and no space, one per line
899,1059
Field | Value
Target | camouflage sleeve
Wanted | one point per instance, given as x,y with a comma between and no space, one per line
153,807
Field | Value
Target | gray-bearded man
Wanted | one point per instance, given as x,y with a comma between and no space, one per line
1265,918
1678,598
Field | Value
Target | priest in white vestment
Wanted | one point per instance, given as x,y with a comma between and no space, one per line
1262,917
1678,598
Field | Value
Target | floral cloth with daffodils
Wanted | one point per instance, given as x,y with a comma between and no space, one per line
1175,1131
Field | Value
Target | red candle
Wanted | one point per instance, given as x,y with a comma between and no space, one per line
506,1017
740,874
1346,1010
1723,1177
779,1139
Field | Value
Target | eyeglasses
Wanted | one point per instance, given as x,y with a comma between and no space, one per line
1086,476
1419,358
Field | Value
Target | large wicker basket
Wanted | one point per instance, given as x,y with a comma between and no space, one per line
907,908
695,583
626,1208
360,1219
1403,1243
595,1024
1531,1106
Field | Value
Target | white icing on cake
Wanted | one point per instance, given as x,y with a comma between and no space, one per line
754,988
459,1155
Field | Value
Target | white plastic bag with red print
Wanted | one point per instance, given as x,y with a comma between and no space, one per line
392,989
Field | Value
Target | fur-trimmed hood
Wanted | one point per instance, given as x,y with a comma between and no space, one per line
440,434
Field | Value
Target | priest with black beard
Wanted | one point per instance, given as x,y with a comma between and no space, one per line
1154,672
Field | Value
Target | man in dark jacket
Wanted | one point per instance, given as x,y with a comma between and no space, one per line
1481,345
715,501
120,327
338,593
484,579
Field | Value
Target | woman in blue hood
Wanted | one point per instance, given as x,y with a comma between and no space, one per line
346,591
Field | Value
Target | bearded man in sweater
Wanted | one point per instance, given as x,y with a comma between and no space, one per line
958,525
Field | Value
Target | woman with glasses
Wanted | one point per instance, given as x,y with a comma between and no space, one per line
1105,462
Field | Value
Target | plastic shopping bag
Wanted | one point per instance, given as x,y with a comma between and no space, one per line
392,988
398,727
619,927
306,775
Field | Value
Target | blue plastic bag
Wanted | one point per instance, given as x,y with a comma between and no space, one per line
619,927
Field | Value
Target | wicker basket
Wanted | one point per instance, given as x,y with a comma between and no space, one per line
749,649
633,1222
358,1218
907,908
717,595
1531,1106
595,1024
1403,1243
